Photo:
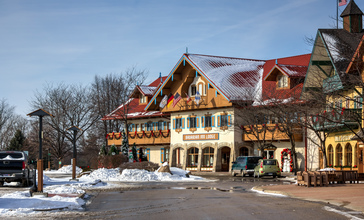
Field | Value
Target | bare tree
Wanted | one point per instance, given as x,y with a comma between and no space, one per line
111,91
70,106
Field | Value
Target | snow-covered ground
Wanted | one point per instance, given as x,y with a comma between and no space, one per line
20,203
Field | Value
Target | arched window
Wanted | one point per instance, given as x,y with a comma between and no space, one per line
339,155
192,157
349,155
244,151
208,157
330,156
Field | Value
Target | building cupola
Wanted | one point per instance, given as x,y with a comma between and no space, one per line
352,18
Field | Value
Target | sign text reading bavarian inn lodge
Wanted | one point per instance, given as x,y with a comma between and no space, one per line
200,137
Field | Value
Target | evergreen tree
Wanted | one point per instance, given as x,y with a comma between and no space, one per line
113,150
125,144
16,143
134,151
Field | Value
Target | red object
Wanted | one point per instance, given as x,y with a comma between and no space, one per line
342,2
188,98
177,98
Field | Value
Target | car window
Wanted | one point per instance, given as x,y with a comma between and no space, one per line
13,155
253,159
269,162
241,159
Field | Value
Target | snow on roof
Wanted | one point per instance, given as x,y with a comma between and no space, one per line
237,78
333,46
294,71
147,90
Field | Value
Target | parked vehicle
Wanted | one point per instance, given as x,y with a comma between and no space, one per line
244,165
14,168
267,167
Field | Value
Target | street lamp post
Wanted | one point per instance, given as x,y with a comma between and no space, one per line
75,129
40,113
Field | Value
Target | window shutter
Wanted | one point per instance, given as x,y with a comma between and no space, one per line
165,126
197,122
162,155
229,120
202,121
188,122
218,121
148,153
213,121
183,123
174,123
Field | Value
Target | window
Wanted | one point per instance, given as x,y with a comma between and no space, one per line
160,125
339,155
208,157
178,123
349,155
192,157
224,120
282,81
136,127
149,126
347,102
193,90
142,98
143,127
358,102
200,89
193,122
208,121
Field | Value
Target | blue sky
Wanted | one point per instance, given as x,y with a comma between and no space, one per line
71,41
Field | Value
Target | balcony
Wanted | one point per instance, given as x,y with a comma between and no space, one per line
339,121
267,132
141,138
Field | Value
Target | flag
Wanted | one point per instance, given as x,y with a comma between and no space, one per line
170,100
197,98
177,97
188,98
163,103
342,2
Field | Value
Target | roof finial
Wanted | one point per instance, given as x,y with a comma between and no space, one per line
276,61
160,76
186,50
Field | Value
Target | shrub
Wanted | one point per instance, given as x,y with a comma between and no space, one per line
145,165
113,161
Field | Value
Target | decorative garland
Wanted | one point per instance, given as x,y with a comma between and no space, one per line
264,127
113,135
284,152
151,134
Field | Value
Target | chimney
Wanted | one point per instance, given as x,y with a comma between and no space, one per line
352,18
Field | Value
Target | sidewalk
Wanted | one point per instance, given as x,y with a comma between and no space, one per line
346,195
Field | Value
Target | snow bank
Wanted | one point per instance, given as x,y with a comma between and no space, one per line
328,169
136,175
68,169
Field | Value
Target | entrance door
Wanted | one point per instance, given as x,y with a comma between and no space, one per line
225,159
361,158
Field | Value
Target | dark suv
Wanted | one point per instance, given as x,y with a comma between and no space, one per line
245,165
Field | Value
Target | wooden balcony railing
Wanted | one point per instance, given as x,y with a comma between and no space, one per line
141,137
338,119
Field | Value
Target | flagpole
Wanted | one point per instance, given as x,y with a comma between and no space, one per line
337,14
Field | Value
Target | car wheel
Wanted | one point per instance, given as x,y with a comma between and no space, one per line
1,183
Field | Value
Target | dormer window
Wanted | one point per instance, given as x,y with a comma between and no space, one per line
142,98
282,81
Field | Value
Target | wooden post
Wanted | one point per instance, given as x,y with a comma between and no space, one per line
40,175
73,168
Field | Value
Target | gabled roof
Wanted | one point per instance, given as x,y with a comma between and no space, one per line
341,46
136,109
236,78
292,71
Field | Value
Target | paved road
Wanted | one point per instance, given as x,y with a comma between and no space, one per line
226,198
